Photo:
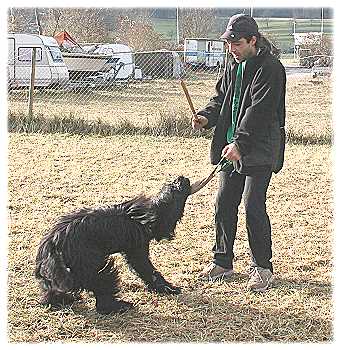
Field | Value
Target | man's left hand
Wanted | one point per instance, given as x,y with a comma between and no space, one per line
231,152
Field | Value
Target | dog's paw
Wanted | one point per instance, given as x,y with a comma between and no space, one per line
116,306
165,289
160,285
170,289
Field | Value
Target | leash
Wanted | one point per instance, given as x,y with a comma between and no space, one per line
223,164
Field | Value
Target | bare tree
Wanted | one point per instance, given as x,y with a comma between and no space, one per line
196,22
139,34
51,20
84,24
21,20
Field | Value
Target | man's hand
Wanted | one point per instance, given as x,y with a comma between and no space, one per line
198,122
231,152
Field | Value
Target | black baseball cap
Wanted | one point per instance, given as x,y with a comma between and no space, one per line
240,26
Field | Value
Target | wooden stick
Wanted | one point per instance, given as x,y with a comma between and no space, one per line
184,87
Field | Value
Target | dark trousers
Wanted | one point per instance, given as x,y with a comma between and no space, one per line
254,189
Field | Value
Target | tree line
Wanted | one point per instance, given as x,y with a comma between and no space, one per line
130,26
134,26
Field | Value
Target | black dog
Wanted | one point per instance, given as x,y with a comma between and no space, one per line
73,256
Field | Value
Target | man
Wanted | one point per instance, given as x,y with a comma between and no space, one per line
248,113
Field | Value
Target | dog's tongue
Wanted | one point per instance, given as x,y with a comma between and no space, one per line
196,186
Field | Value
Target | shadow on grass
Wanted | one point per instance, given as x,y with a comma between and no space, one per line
210,313
314,287
216,318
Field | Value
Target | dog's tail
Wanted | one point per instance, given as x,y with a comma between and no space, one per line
56,279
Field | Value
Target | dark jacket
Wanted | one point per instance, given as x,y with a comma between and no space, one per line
259,133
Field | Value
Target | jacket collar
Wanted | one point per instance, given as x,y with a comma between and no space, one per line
250,69
262,52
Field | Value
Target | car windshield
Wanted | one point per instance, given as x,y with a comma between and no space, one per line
55,53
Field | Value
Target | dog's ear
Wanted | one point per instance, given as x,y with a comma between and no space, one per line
139,209
178,181
182,183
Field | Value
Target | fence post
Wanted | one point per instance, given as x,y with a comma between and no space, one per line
31,88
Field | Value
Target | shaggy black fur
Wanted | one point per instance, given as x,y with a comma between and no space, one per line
73,256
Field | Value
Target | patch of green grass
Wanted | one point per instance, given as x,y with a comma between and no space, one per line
164,125
167,27
279,29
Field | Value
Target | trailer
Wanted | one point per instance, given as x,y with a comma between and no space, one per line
159,64
50,69
203,52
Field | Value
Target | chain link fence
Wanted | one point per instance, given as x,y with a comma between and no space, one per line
135,86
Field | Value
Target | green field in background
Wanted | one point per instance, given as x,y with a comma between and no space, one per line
280,30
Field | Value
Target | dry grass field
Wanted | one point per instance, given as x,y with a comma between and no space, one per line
145,103
50,174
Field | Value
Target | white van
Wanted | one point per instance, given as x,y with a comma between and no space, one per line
50,69
204,52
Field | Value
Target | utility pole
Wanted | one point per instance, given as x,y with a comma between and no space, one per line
321,22
177,26
294,30
11,15
37,19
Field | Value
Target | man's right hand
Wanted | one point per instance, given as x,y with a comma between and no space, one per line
198,122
